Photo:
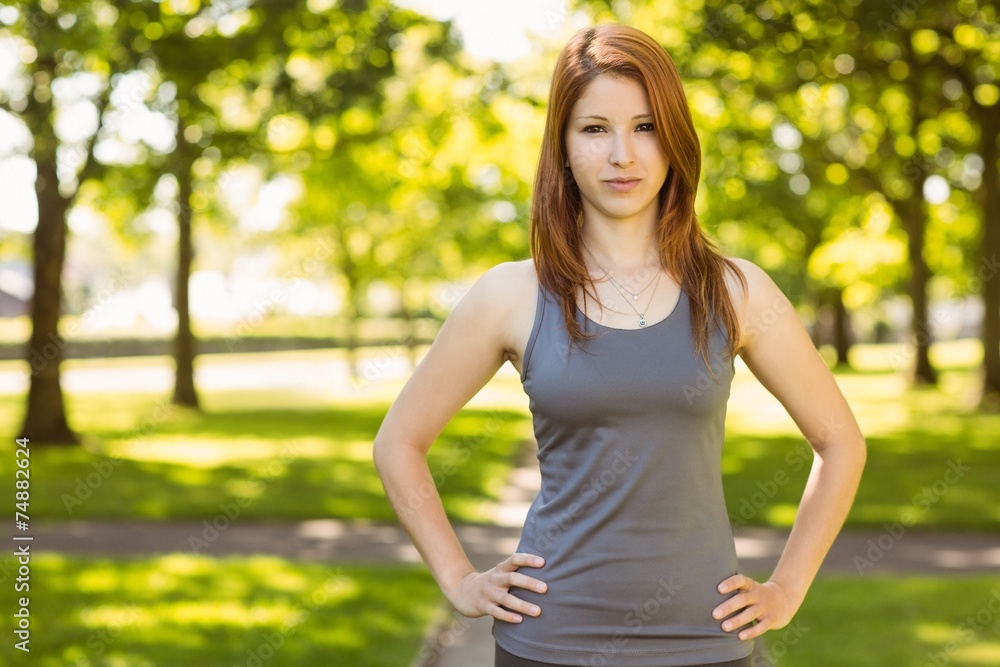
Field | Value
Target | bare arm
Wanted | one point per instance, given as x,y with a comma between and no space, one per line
472,345
779,352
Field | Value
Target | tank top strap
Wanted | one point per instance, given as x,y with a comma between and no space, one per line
543,297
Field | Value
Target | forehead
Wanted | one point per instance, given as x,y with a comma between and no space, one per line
608,94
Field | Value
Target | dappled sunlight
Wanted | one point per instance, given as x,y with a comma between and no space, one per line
981,653
185,609
930,620
200,453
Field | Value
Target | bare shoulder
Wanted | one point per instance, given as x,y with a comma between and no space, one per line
758,303
501,306
509,292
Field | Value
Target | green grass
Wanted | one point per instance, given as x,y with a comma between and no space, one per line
898,621
191,610
143,458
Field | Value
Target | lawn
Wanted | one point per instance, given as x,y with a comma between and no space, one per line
897,621
192,610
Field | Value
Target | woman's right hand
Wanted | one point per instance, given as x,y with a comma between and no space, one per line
483,593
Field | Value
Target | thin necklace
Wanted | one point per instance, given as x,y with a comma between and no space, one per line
642,317
655,282
634,295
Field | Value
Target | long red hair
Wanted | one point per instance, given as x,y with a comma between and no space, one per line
684,247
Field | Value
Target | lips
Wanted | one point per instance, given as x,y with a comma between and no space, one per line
622,184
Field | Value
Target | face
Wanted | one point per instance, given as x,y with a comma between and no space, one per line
615,156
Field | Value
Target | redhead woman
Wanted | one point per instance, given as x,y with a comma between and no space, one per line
624,326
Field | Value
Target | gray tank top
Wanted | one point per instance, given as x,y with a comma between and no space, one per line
630,517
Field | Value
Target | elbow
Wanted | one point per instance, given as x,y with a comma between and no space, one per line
380,456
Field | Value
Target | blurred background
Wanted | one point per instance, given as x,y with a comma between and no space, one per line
228,230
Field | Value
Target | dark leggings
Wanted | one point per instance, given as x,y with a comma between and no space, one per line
505,659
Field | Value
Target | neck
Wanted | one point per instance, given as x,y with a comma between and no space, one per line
621,247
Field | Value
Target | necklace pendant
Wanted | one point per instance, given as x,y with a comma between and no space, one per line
642,321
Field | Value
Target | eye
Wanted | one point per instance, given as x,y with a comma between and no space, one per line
593,129
645,127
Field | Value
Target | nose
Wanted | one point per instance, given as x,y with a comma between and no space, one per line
622,154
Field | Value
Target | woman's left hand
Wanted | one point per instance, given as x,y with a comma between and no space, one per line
766,603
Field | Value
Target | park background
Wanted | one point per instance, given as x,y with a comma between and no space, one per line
229,229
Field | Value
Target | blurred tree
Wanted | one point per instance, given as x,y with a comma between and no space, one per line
854,92
420,187
69,56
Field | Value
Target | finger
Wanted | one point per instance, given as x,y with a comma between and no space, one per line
517,604
523,560
524,581
756,630
745,617
735,582
733,605
502,614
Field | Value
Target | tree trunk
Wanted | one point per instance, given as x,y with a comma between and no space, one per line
45,417
353,311
842,335
911,212
989,265
410,326
184,343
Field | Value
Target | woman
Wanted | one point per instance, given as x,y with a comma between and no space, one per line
624,328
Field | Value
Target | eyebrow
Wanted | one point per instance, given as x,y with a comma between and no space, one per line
637,117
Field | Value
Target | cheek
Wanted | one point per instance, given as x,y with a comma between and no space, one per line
586,153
